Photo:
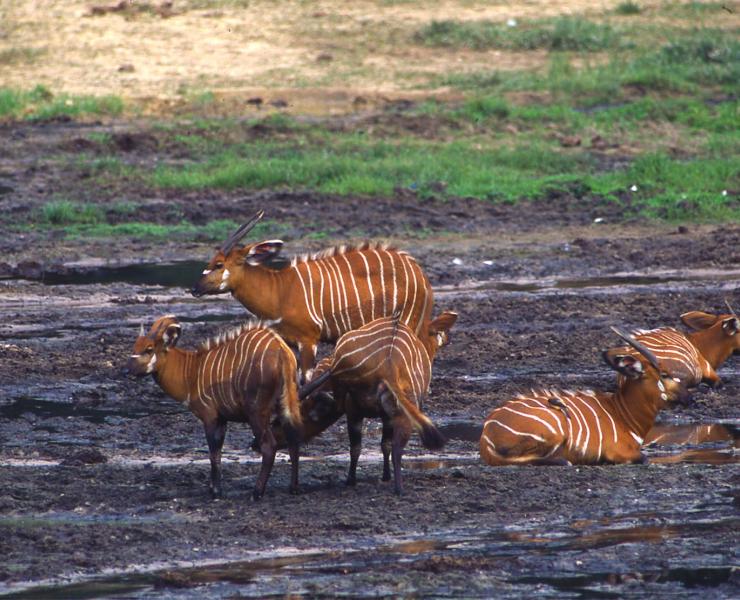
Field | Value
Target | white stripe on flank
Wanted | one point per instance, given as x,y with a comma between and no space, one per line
415,296
592,394
321,313
530,416
514,431
598,423
382,283
392,260
306,297
369,287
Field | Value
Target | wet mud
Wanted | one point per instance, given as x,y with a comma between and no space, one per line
104,478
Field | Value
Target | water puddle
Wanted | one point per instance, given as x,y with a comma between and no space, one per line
25,407
616,282
183,274
401,567
171,274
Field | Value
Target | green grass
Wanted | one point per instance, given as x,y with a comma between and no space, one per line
78,220
211,232
697,62
40,103
627,8
560,34
492,166
673,189
65,212
355,165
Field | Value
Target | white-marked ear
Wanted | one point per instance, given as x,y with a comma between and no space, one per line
731,326
264,251
697,319
171,335
626,364
443,323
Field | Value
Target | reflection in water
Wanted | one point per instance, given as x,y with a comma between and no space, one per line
616,282
405,565
706,457
683,435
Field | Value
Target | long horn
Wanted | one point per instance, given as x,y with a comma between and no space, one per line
641,348
141,330
234,238
732,310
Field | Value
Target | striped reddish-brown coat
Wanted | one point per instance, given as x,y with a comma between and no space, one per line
322,296
582,427
383,369
675,352
247,375
696,355
716,337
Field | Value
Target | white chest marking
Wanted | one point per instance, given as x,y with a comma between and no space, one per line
224,280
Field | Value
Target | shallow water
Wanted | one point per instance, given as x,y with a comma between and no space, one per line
347,571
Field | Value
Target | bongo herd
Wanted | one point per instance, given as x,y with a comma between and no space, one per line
375,305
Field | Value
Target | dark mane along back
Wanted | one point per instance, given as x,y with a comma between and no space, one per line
343,249
231,334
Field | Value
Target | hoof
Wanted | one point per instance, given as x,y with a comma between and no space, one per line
351,482
294,491
216,493
257,495
386,477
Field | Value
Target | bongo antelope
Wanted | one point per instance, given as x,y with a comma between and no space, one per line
583,427
247,375
699,353
716,337
318,297
383,369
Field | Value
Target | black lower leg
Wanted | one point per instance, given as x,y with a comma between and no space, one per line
354,429
215,435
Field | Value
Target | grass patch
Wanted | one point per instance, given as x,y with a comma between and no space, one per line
628,8
212,231
40,103
560,34
64,212
698,62
358,166
673,189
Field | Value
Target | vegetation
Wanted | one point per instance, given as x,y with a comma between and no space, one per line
562,33
684,65
628,8
79,219
650,121
40,103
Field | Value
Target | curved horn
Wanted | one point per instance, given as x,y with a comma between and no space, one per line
641,348
234,238
732,310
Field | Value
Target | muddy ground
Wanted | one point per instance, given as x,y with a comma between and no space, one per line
104,479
